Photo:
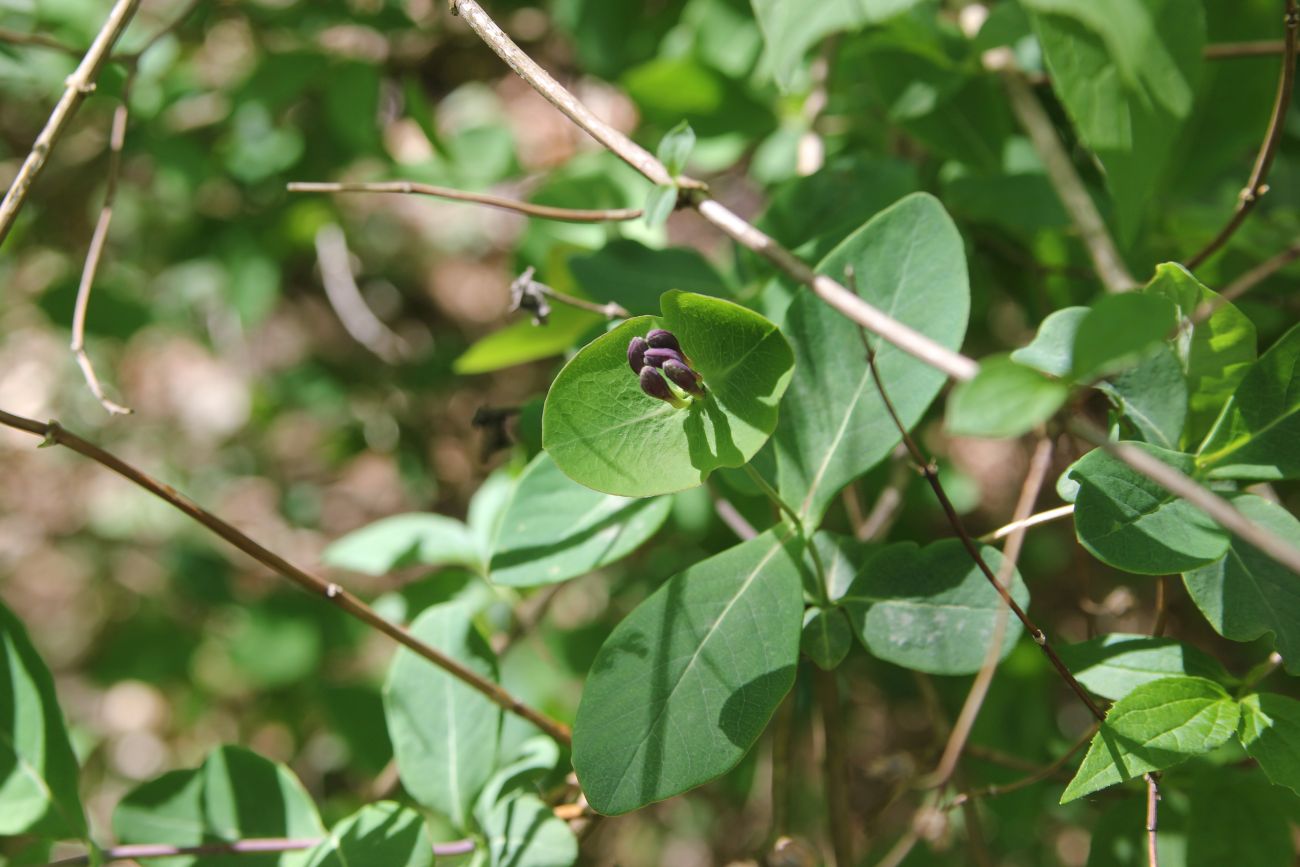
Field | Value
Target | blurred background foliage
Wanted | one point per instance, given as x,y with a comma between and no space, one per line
210,321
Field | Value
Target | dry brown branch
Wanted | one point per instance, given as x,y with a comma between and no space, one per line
545,212
345,297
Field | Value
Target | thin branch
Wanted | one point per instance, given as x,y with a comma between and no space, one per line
345,297
834,767
1039,464
1046,772
528,294
1247,281
1083,212
1238,50
238,847
1258,673
1161,618
782,735
1257,185
39,40
1153,798
1031,521
54,434
80,83
836,295
1183,486
545,212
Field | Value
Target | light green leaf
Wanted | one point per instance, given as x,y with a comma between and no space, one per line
607,434
523,832
1215,354
686,683
1156,726
659,204
1118,331
444,732
1127,72
1052,349
1248,594
842,557
1113,665
382,833
1005,399
826,637
537,756
235,795
555,529
1257,436
931,609
675,148
909,262
406,540
1270,732
791,27
38,772
522,341
1152,398
1130,522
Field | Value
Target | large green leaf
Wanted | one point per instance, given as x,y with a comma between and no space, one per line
606,433
909,262
38,772
1215,353
1113,665
382,833
522,831
235,795
406,540
686,683
1156,726
1118,331
1052,349
1152,398
1247,593
444,732
1130,522
791,27
555,529
1270,732
931,609
1127,72
1005,399
1258,434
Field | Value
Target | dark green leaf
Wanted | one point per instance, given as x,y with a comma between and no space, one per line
1005,399
381,833
687,682
1113,665
1152,398
826,636
1118,331
1270,732
1238,819
635,275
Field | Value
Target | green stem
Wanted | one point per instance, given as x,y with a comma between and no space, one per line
783,506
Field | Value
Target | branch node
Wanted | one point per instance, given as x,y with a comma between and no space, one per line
333,591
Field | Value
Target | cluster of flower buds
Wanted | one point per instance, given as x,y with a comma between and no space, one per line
663,370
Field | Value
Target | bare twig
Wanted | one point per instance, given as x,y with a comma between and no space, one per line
1039,464
528,294
345,297
1083,212
890,502
1031,521
1257,185
1247,281
1204,499
1037,776
1161,619
1153,798
1237,50
142,851
834,767
545,212
39,40
54,434
80,83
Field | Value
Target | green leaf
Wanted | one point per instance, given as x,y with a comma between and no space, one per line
1156,726
607,434
635,275
1238,818
406,540
381,833
1114,665
826,637
791,27
523,832
522,341
685,684
1257,437
1270,732
38,772
1052,349
1005,399
1118,331
1127,72
931,609
1152,398
675,148
444,731
1215,354
659,203
537,756
555,529
1247,593
235,795
842,557
909,262
1130,522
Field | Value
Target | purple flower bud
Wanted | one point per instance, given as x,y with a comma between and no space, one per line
660,338
636,353
657,357
654,385
683,377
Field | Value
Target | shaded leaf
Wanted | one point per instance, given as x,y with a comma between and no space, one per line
1113,665
1052,349
1270,732
826,637
522,831
1152,398
1118,331
635,275
381,833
